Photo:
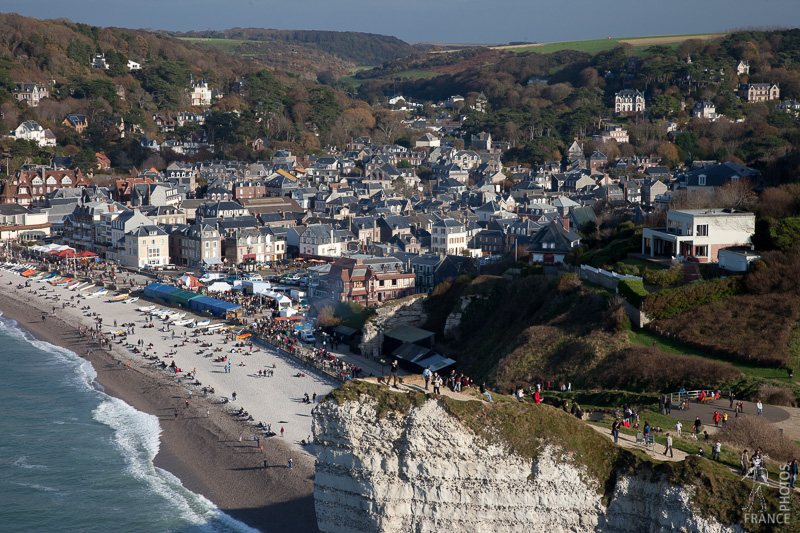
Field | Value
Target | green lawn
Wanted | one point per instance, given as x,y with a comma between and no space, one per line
415,74
641,263
593,46
646,338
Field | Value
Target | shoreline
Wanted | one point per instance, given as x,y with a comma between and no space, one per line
200,446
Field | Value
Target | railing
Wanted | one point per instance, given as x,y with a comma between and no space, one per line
677,397
299,354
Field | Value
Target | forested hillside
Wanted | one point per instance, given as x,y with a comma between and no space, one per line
360,49
542,102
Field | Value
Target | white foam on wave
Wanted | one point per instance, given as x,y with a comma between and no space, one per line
84,373
22,462
136,434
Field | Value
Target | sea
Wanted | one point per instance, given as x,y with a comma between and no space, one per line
74,459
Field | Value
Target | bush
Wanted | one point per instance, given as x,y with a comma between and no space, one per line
757,329
664,278
633,290
671,302
642,368
750,432
776,395
626,269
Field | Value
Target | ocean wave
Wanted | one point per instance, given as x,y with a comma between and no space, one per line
22,462
136,435
83,371
35,486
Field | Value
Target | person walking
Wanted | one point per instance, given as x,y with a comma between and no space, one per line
615,431
678,428
716,418
393,374
426,374
437,383
744,462
668,447
281,431
793,472
732,397
697,425
291,463
759,407
716,450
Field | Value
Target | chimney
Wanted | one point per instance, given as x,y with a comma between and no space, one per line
565,221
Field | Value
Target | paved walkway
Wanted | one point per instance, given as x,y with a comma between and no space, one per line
629,441
706,410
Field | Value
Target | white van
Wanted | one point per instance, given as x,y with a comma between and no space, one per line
255,277
307,336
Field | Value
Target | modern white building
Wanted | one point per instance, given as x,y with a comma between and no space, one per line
699,233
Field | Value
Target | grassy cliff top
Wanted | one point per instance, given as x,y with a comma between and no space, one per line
526,429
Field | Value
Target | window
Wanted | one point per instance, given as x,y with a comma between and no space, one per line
702,230
701,251
701,179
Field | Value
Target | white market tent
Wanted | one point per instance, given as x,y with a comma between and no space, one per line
219,286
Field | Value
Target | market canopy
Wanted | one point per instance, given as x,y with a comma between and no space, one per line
219,286
181,297
159,290
214,306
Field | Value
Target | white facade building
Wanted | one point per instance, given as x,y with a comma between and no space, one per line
699,233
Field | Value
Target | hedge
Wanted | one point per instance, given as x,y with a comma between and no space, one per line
664,278
671,302
633,290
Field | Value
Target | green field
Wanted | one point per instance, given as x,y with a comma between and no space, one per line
595,46
228,45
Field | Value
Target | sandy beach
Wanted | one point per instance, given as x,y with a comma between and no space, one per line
205,444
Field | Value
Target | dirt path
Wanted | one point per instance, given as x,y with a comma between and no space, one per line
629,441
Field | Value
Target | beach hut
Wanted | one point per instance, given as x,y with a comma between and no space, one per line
159,290
181,297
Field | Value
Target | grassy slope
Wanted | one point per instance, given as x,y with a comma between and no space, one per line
525,428
594,46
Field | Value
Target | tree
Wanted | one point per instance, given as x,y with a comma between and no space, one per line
388,125
664,105
404,164
85,160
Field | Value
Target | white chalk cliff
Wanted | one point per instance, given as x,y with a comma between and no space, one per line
424,471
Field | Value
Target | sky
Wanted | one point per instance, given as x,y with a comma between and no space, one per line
445,21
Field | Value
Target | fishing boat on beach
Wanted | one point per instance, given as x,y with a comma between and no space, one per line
202,323
49,279
146,308
177,316
131,300
73,285
120,298
85,287
98,292
183,322
62,283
